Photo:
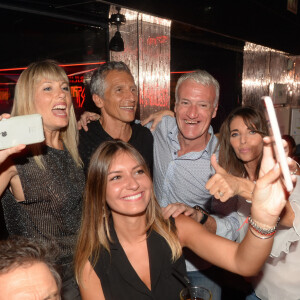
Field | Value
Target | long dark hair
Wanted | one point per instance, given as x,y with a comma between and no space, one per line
254,120
94,233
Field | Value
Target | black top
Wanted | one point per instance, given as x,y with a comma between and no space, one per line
90,140
120,281
51,210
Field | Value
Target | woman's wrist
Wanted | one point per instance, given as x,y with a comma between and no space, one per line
263,218
261,230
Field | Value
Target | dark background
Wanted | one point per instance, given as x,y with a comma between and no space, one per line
205,34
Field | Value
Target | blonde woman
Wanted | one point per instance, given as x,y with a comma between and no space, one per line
43,185
126,250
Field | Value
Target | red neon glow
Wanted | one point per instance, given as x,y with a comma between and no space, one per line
78,92
65,65
76,79
4,94
182,72
159,39
12,69
84,64
82,72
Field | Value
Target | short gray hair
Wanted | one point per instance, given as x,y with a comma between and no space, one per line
202,77
18,252
97,84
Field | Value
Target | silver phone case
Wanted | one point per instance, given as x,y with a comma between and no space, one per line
27,129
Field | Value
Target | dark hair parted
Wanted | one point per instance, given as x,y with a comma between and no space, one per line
255,121
94,232
19,252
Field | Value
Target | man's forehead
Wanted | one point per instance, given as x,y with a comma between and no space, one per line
192,89
28,282
116,76
194,83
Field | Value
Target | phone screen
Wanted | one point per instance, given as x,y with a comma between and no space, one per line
280,153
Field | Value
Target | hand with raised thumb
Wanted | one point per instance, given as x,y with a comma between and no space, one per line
221,185
216,166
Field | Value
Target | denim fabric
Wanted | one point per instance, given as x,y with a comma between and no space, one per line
203,278
252,297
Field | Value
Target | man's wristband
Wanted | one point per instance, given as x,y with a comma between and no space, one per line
205,214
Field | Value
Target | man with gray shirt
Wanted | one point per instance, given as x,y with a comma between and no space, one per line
183,147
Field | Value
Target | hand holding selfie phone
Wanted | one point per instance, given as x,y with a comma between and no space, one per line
27,129
280,153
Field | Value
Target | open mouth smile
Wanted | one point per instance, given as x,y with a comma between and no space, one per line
60,109
133,197
191,122
127,107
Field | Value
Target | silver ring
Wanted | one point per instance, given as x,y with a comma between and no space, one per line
221,194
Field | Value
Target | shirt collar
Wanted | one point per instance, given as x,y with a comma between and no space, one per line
209,149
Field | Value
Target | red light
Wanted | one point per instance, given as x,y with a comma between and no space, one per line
63,65
4,94
78,92
182,72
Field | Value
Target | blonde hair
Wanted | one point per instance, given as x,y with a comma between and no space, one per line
94,232
24,104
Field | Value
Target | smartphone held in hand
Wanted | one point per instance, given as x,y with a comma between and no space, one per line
27,129
280,153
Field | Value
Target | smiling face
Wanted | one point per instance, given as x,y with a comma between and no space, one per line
33,282
246,143
128,188
194,110
120,97
52,100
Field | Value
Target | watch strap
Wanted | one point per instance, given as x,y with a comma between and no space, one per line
205,214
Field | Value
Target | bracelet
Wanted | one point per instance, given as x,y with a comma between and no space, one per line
262,237
262,228
298,166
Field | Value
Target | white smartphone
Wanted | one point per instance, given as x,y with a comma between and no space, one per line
27,129
281,157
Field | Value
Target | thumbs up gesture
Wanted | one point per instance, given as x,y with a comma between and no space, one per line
223,185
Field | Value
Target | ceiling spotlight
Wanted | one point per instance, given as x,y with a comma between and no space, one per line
117,43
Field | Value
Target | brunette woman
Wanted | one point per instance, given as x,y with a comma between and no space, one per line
126,250
241,151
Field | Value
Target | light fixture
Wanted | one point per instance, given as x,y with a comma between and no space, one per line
117,43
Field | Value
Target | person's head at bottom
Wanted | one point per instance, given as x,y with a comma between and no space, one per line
27,271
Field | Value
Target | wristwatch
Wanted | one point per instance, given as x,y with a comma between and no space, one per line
205,214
